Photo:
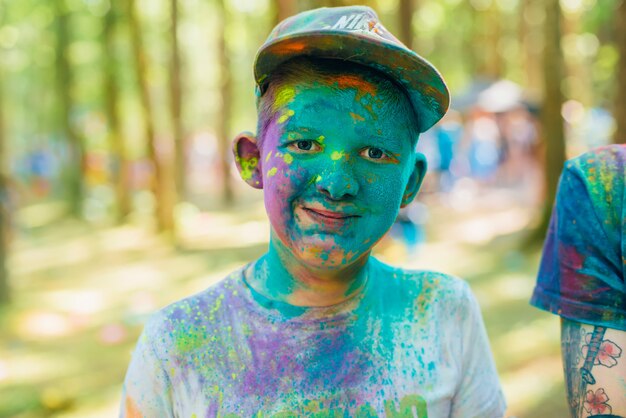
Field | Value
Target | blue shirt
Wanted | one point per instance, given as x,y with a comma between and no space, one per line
583,267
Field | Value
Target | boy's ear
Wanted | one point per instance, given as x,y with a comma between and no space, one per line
415,180
248,159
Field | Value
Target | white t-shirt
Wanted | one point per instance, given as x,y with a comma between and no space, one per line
410,344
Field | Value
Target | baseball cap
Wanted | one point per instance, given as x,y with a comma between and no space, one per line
355,34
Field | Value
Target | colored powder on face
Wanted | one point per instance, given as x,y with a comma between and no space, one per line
357,117
283,118
321,138
349,81
269,155
272,172
336,155
284,96
288,158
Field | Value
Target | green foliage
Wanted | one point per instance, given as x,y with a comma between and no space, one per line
598,18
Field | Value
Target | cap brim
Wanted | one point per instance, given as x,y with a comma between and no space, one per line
424,85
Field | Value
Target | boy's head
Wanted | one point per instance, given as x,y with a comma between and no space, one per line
335,153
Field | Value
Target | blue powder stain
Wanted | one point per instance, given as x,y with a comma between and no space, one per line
287,310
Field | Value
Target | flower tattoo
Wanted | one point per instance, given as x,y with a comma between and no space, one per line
608,353
596,403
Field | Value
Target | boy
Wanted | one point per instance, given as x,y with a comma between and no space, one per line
583,279
317,327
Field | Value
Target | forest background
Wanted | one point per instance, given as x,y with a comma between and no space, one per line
118,193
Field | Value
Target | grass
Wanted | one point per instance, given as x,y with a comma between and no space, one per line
82,293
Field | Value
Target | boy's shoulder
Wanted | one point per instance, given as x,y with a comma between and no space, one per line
189,318
427,287
407,277
601,161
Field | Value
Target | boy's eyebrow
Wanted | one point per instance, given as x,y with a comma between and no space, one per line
393,141
386,141
299,127
390,143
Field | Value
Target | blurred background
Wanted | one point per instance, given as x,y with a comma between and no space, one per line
118,193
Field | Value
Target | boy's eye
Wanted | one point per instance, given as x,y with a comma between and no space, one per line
304,145
378,155
375,153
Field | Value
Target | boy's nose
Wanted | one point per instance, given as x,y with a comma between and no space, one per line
337,183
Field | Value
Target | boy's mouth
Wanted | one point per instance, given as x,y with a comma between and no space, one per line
328,214
328,220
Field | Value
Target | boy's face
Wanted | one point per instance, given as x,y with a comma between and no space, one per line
336,166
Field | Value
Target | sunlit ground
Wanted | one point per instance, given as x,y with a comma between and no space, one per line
82,293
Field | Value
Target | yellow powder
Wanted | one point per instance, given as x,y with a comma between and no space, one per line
336,155
283,118
284,96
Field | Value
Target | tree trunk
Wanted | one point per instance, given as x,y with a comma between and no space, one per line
226,92
493,61
470,40
282,9
620,99
528,57
73,170
552,122
164,211
175,102
533,39
405,15
5,207
117,146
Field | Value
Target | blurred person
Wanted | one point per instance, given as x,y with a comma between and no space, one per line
316,326
409,226
41,169
449,133
519,133
520,166
484,145
582,279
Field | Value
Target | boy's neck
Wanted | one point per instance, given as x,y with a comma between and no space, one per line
279,276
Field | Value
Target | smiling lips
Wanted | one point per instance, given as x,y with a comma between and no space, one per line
328,218
329,214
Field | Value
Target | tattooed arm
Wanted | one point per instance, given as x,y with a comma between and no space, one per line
595,369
